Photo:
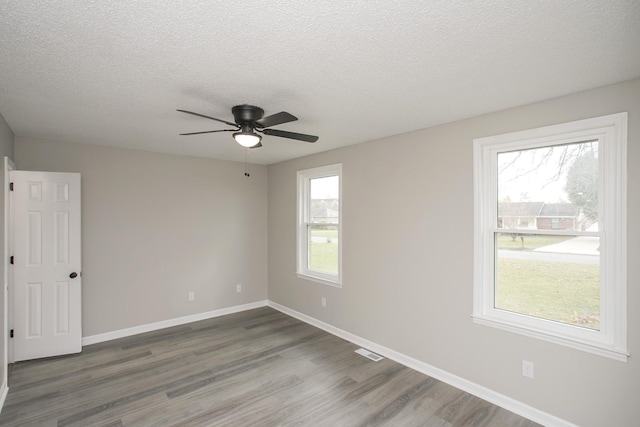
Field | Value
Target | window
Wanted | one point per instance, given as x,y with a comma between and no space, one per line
550,234
319,230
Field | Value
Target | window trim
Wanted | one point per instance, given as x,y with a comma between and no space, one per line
611,130
303,179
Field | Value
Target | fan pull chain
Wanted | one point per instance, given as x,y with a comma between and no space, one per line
246,163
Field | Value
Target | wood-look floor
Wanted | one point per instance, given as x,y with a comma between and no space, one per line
255,368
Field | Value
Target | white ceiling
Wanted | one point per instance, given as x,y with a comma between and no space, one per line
114,72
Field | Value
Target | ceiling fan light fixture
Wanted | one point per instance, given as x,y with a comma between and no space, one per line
247,139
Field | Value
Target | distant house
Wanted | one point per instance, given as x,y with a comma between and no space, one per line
325,210
558,216
519,214
325,215
538,215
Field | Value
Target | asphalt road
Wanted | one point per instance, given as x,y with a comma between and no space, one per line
549,256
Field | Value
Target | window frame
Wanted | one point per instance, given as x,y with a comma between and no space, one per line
304,178
611,132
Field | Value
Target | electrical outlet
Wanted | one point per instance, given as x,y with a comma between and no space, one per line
238,288
527,369
323,302
192,295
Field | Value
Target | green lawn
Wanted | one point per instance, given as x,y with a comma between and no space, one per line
324,257
565,292
325,233
528,242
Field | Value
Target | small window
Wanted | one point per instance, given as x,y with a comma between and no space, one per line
319,229
559,271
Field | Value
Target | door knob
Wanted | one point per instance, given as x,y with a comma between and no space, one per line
73,275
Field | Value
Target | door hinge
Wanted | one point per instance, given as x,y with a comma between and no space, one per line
11,334
11,186
11,259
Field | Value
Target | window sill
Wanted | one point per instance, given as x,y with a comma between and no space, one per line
593,348
319,280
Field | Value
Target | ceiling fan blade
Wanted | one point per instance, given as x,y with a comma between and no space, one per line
290,135
258,145
209,131
276,119
207,117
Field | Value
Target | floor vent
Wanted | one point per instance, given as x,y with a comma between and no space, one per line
369,355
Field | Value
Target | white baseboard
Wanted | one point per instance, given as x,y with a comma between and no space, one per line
108,336
3,393
446,377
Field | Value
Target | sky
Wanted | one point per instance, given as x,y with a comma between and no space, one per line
536,175
325,188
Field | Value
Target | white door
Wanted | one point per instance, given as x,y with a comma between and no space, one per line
47,315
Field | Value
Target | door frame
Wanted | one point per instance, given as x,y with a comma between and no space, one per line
7,280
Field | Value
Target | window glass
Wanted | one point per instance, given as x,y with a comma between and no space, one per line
550,183
550,277
323,227
546,275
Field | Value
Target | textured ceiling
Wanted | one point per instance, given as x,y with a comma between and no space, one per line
114,72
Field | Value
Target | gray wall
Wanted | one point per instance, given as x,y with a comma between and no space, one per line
408,261
6,149
156,226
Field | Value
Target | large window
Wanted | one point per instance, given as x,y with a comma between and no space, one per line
319,231
550,233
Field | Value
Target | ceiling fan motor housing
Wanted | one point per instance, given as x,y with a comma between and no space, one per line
244,114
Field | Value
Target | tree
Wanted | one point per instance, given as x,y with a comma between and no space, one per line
582,184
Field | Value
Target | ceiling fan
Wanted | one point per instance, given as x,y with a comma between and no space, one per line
249,120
